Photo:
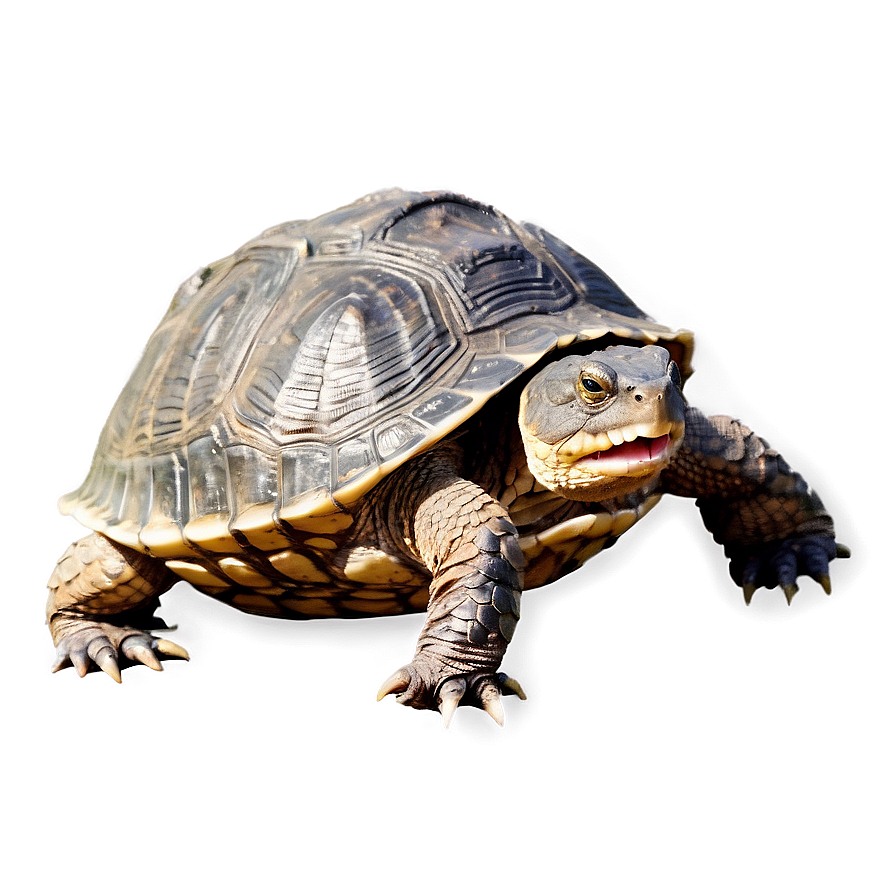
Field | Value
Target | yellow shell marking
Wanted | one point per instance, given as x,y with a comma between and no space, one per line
260,529
243,574
298,567
377,594
125,533
273,591
312,606
372,566
348,494
583,536
623,520
589,549
255,603
602,525
419,600
163,539
591,525
196,574
212,533
316,512
333,522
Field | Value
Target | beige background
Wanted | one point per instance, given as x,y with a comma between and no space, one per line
731,167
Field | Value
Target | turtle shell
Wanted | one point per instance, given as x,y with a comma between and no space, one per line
287,379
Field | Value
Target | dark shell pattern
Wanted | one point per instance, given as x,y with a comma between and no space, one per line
287,379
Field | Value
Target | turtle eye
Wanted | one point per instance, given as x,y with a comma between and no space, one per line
674,374
592,390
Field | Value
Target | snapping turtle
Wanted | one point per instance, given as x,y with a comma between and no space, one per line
409,404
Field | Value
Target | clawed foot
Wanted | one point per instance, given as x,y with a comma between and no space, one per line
416,685
110,647
779,564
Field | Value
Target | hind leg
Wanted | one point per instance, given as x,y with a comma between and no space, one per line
102,598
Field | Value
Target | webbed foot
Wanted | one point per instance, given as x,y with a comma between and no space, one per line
780,563
90,644
425,684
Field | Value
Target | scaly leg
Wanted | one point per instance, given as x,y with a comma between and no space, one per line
772,525
466,540
102,597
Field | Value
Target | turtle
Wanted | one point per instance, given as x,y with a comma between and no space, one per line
409,404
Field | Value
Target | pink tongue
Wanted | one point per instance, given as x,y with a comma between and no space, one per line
639,450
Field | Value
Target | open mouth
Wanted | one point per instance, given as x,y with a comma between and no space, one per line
635,456
641,450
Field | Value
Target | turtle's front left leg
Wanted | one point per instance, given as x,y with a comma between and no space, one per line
101,603
773,526
467,541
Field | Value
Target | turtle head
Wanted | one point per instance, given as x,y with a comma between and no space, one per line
601,425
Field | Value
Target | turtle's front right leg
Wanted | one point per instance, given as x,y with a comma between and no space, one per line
467,541
102,597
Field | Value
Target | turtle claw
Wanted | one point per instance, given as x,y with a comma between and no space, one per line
510,685
780,564
107,647
419,685
490,700
141,654
394,684
789,591
105,660
450,694
170,649
77,658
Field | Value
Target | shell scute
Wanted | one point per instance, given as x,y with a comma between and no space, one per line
440,407
369,337
400,434
490,374
494,276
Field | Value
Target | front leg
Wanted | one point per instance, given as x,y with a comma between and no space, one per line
100,608
772,525
467,542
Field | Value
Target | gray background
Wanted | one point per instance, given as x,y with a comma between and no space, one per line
731,167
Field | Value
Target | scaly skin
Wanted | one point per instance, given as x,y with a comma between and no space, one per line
101,596
772,525
469,545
